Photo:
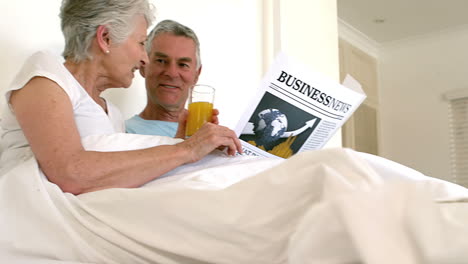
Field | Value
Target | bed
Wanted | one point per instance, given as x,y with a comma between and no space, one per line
327,206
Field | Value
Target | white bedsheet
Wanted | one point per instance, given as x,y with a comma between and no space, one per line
328,206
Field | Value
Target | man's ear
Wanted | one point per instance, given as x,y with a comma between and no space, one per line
142,71
103,38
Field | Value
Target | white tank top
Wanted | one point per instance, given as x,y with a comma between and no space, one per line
90,118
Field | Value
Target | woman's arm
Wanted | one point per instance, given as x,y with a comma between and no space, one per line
45,114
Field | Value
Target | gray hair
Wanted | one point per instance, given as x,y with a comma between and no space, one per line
81,18
177,29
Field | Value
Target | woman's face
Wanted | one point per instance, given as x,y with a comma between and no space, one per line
127,57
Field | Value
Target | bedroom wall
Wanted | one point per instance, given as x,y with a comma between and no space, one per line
232,35
415,73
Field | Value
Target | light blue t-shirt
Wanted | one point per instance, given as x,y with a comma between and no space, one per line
138,125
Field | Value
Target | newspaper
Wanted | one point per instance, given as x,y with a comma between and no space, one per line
296,109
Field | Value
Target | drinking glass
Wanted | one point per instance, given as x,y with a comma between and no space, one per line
200,107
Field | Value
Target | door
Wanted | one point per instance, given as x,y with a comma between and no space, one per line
360,132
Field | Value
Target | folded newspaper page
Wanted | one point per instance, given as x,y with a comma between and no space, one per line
296,109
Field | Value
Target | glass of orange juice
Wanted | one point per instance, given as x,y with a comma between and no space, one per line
200,107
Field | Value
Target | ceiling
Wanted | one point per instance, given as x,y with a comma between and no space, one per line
390,20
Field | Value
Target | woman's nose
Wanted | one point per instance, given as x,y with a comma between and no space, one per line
145,59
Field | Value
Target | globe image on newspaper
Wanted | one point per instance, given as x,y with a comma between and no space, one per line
271,125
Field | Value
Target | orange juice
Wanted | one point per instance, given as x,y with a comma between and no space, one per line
198,114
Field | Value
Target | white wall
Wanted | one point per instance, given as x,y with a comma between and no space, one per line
25,27
231,34
414,75
309,32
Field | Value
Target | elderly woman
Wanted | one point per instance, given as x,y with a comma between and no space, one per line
53,105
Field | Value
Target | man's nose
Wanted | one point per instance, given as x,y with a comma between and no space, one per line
171,70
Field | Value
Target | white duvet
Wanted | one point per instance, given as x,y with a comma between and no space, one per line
328,206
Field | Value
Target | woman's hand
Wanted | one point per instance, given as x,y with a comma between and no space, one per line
210,137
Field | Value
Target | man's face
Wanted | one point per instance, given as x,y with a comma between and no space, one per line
171,71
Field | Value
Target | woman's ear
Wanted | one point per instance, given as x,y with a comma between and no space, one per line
103,38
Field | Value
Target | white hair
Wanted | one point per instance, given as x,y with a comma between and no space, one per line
81,18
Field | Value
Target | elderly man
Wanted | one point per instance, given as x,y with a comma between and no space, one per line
174,66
